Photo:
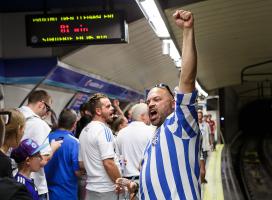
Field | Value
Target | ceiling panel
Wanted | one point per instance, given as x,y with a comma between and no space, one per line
138,65
230,35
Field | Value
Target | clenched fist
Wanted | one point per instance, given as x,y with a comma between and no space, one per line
183,19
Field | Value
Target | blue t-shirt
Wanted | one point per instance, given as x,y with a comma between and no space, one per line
60,170
30,186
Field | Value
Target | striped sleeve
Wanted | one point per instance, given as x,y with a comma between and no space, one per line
186,115
105,142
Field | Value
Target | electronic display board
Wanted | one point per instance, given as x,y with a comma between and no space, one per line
76,28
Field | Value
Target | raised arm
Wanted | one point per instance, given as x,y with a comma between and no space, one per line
184,20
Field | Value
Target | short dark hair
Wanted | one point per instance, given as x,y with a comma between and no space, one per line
2,132
67,118
116,123
84,107
94,102
38,95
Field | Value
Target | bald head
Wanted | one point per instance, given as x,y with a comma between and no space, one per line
160,104
139,112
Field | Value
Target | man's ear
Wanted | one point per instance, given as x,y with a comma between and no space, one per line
40,104
173,103
98,111
27,160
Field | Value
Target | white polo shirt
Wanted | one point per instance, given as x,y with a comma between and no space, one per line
205,132
97,144
38,130
131,142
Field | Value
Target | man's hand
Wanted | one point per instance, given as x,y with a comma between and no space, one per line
55,145
115,103
183,19
122,183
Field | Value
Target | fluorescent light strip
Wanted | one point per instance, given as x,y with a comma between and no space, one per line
152,14
168,47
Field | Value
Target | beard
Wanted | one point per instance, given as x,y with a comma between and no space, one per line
107,117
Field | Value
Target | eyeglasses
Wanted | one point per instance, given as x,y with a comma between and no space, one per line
48,108
5,116
164,86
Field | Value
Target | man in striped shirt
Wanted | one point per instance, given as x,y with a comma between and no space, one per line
170,169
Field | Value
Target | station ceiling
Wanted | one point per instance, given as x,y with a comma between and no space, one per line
230,35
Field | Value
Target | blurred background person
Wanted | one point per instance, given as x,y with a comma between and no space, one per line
63,168
204,144
132,140
212,129
119,123
39,104
9,188
128,112
14,129
27,156
85,118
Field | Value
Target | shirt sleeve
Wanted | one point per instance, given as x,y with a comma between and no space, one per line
105,143
38,130
79,153
75,156
186,115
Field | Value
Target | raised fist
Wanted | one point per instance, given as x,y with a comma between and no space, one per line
183,19
115,103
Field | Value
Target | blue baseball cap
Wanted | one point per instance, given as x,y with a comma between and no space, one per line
26,148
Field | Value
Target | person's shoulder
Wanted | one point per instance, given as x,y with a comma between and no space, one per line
5,160
125,130
12,189
186,98
5,167
72,139
151,128
20,178
3,156
99,126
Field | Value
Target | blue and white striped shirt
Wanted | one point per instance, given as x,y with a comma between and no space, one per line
170,169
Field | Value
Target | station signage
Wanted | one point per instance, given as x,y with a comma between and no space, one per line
76,28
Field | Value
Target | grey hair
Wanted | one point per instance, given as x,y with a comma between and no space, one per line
137,110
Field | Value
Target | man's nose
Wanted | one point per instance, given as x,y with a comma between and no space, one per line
151,104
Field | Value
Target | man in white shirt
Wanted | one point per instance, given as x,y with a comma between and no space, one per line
38,106
97,151
204,144
133,139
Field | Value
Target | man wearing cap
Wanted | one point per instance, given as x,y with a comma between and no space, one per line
39,103
27,156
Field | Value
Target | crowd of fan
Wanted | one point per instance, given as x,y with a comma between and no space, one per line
104,142
52,160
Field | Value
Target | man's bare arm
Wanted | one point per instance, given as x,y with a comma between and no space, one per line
111,169
185,21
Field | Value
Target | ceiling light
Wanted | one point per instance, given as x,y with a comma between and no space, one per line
152,14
